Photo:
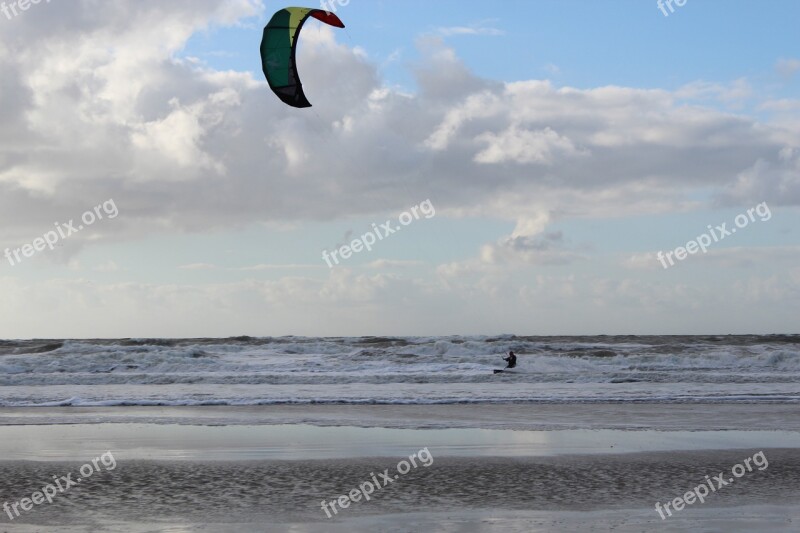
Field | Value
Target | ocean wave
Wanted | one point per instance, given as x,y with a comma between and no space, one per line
459,364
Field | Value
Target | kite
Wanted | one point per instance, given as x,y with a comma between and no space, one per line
278,49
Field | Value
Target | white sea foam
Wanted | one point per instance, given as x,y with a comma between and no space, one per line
398,370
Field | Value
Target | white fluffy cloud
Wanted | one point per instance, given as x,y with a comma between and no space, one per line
103,109
98,105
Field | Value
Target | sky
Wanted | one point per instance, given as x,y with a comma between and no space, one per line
559,168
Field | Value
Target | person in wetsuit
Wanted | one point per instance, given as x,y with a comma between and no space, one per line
512,360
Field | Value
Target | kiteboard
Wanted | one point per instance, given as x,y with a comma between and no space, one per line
505,371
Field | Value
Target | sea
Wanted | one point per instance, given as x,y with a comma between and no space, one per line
246,371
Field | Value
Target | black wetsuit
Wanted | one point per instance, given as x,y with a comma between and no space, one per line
512,361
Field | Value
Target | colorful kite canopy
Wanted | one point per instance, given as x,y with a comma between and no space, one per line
278,49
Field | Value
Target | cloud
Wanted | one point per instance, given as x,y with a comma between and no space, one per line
382,264
775,180
108,266
788,67
552,69
262,267
484,299
100,104
251,268
469,30
735,92
184,148
525,147
719,258
198,266
782,105
545,249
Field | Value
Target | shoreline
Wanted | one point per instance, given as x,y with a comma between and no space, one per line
515,416
300,442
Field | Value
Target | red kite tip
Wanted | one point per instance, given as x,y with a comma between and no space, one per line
328,18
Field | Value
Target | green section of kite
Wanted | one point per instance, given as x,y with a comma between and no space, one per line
279,48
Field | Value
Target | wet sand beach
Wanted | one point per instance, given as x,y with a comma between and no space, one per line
521,416
595,468
500,493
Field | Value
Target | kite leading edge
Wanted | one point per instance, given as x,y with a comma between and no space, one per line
279,47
